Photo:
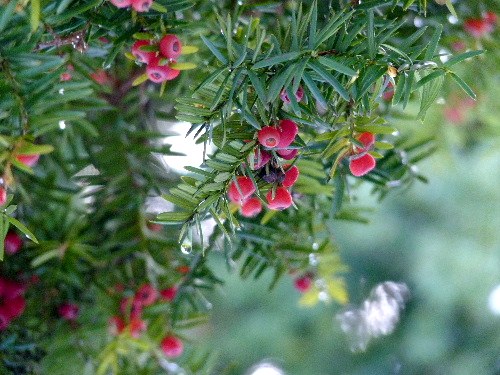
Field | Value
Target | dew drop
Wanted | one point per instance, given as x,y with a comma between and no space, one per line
186,246
313,260
315,246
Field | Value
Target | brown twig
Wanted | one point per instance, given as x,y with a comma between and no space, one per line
76,39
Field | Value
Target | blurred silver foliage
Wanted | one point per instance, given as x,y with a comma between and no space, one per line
377,316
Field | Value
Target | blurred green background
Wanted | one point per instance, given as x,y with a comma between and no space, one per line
440,238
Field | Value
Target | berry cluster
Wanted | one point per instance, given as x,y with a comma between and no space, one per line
361,162
274,142
481,27
12,302
158,57
131,312
137,5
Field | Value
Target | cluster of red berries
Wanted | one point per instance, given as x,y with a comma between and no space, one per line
138,5
361,162
131,312
158,57
271,139
481,27
12,302
28,160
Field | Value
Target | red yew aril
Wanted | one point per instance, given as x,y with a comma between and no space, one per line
13,243
137,326
116,325
477,27
367,139
258,158
303,284
251,207
170,46
29,160
241,190
146,295
269,136
361,165
291,175
139,54
130,307
288,130
491,18
160,73
142,5
299,95
288,154
172,346
121,3
282,199
14,307
169,294
3,195
68,311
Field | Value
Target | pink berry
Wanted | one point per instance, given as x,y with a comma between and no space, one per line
491,18
477,27
288,131
288,154
68,311
269,136
15,307
13,243
139,54
282,199
299,94
172,346
170,46
291,176
130,306
251,207
258,158
160,73
3,196
142,5
303,284
121,3
100,77
169,294
154,227
146,295
65,77
367,139
246,189
361,165
29,160
10,289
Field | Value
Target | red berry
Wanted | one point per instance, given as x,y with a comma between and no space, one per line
477,27
68,311
3,196
29,160
170,46
13,243
269,136
146,295
288,130
303,284
361,165
142,5
299,94
183,269
65,77
169,294
172,346
154,227
116,325
288,154
100,77
15,307
291,176
258,158
121,3
160,73
10,289
246,189
282,199
367,139
491,18
137,326
139,54
251,207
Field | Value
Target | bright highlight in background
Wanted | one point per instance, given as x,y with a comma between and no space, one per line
494,300
265,369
